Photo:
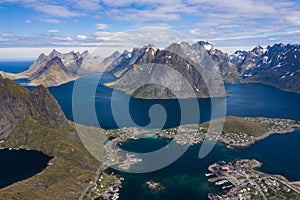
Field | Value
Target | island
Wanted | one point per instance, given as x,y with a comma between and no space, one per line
244,181
154,186
236,132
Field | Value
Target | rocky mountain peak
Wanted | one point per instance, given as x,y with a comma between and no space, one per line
58,68
42,57
182,57
85,53
277,65
206,45
18,104
238,59
114,58
258,50
54,53
117,54
48,107
150,46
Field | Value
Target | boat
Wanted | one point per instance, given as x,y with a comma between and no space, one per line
221,182
209,174
228,186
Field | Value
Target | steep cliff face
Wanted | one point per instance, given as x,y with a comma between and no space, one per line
215,61
277,65
18,104
196,66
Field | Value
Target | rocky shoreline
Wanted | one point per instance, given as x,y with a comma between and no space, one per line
247,182
183,135
257,139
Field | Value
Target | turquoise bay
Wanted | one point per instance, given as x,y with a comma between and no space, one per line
185,178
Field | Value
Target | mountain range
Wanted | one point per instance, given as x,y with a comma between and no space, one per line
199,64
277,65
189,71
58,68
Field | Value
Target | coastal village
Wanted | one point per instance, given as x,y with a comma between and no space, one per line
240,180
237,132
105,186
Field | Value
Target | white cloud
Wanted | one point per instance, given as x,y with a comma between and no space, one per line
7,35
103,35
150,15
154,25
195,32
294,32
65,9
88,4
220,21
210,18
81,37
51,21
28,21
53,31
56,11
63,38
101,26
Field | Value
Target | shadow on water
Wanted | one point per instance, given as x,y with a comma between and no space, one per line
17,165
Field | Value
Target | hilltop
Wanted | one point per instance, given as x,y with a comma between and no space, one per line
34,120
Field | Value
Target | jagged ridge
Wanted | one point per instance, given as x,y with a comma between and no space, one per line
277,65
18,104
198,64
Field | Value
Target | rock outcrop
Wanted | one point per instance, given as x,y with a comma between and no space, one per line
173,71
277,65
19,104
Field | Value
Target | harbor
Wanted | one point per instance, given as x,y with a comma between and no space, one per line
247,183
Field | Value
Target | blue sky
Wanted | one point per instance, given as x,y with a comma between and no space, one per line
228,24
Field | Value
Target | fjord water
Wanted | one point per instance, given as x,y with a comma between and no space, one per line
16,67
185,178
251,100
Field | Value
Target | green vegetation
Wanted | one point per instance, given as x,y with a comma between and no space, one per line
70,171
241,125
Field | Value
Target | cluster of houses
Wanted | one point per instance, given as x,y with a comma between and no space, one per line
247,183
